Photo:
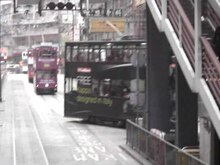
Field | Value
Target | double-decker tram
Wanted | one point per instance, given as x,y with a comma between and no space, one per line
104,80
45,69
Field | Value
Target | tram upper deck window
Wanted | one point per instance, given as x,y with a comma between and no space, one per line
68,54
47,52
102,52
45,75
103,55
93,56
82,55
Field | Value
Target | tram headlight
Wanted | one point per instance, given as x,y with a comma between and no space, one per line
46,85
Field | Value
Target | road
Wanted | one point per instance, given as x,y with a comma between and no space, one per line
34,132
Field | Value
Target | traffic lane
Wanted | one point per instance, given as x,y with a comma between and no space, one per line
56,142
22,145
84,146
102,147
92,144
6,149
98,144
69,141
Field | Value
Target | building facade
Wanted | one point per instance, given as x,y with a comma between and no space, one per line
124,19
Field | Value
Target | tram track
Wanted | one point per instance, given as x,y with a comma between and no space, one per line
63,139
38,137
35,128
24,143
88,142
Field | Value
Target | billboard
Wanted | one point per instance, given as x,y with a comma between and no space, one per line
107,25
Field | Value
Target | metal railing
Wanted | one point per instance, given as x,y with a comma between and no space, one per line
212,15
183,28
185,33
211,69
157,150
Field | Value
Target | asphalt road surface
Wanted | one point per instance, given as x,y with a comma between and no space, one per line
34,132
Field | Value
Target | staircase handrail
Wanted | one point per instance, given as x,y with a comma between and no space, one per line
212,15
211,69
208,85
183,28
215,5
185,32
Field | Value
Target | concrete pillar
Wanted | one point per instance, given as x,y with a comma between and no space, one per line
215,148
157,85
186,113
209,143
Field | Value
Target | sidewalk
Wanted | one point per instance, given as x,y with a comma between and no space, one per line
135,155
2,112
2,102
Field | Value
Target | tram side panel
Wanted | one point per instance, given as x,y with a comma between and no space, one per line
100,79
98,89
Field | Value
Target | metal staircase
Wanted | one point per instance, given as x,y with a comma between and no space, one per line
216,5
193,50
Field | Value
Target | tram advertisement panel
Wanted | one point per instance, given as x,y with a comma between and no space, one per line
83,106
94,91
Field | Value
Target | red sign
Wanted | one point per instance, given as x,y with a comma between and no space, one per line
84,70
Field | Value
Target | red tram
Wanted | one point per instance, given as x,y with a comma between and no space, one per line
45,69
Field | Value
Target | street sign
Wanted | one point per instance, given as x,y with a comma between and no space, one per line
107,24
